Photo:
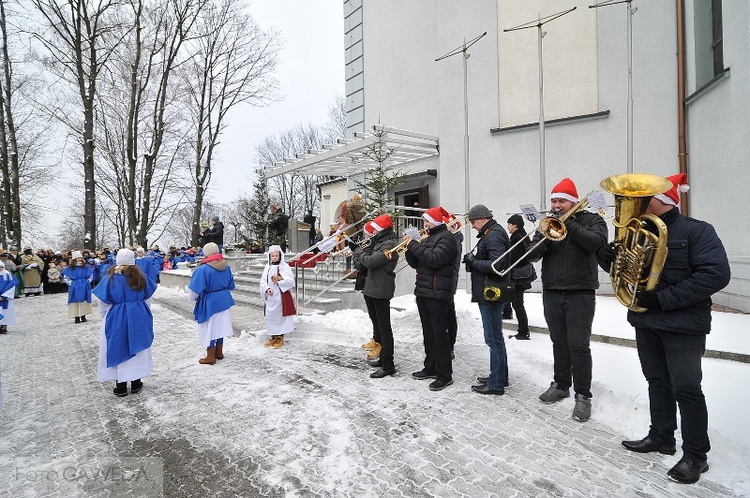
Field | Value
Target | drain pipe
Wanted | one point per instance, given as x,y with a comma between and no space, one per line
681,107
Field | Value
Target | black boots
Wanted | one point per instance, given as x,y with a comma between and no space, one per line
78,319
83,319
121,388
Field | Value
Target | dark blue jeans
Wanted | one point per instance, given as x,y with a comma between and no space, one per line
569,315
671,363
433,315
492,322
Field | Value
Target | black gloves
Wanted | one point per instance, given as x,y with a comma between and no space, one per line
469,261
648,299
353,245
607,252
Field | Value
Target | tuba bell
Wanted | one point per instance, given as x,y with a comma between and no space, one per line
641,239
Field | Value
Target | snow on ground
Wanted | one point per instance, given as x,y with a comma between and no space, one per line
306,420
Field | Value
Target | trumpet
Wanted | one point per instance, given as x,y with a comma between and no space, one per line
401,248
551,227
454,225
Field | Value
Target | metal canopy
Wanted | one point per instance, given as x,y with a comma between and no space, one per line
347,156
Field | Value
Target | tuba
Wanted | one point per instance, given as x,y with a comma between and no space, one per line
640,239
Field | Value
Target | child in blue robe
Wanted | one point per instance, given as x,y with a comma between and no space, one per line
144,263
210,288
127,329
8,284
78,278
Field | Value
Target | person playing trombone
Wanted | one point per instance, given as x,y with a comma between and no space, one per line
569,279
380,286
433,259
493,242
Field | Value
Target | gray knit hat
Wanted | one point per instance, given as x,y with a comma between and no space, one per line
479,211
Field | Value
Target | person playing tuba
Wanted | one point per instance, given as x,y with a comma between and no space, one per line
671,334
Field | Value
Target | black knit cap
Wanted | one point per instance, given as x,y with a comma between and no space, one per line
516,219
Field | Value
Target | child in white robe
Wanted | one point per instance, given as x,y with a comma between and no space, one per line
277,278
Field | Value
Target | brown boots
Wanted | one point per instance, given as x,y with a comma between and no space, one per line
219,351
276,341
210,358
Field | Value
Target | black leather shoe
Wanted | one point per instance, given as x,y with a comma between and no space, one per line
375,363
422,375
439,385
648,445
483,380
136,386
688,471
485,389
382,372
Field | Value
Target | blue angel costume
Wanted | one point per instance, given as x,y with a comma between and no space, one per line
127,330
78,279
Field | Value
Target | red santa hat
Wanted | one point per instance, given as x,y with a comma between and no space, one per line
449,218
672,196
566,189
435,215
382,222
368,228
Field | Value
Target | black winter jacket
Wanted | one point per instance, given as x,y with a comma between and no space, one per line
380,282
433,259
571,264
493,242
696,267
216,233
457,261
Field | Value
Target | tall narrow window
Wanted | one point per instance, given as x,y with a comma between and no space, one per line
709,41
718,37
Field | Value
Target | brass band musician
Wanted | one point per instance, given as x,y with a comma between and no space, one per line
433,259
671,334
569,279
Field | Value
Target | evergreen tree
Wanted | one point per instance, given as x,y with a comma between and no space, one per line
256,211
379,181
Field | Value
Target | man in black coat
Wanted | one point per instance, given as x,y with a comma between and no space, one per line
671,335
522,282
493,242
569,280
433,259
310,220
216,233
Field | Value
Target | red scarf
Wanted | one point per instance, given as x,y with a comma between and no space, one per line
213,257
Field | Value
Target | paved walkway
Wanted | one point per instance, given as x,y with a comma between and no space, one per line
304,420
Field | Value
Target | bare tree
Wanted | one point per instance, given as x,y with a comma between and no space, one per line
143,121
233,64
9,165
297,193
335,128
80,39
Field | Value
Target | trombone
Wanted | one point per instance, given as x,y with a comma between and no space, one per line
551,227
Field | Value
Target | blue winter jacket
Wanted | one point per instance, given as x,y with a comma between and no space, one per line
696,267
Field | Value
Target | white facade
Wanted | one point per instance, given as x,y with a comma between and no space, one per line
585,74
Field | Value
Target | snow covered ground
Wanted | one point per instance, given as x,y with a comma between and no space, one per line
306,420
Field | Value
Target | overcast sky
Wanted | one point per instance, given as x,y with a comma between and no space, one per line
310,74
